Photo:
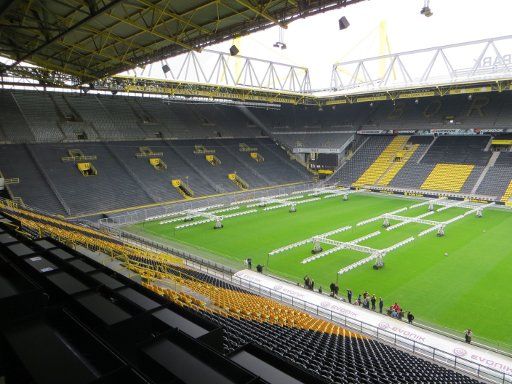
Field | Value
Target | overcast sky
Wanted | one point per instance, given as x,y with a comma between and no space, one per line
317,43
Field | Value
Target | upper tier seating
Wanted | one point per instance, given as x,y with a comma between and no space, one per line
452,112
33,116
14,125
39,116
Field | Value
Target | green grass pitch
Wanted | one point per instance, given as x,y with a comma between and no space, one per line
471,287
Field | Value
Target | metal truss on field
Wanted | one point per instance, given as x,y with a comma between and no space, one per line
474,61
374,253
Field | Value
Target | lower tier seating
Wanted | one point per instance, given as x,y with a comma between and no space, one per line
447,177
125,179
324,349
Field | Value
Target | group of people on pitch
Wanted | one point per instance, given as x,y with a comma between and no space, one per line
368,301
365,300
309,283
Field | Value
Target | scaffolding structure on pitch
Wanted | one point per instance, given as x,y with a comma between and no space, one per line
379,254
189,215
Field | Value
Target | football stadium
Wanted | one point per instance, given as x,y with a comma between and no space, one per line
255,191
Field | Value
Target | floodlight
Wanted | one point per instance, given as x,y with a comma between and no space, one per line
343,23
426,11
233,51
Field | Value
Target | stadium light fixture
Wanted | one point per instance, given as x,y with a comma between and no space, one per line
343,23
426,11
280,42
233,51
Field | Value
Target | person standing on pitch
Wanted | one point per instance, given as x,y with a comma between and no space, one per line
381,304
373,300
331,287
349,296
410,317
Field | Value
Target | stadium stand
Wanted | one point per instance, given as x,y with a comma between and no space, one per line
123,180
33,186
447,177
453,112
400,160
40,114
412,174
362,158
14,126
382,163
458,150
136,322
101,326
462,164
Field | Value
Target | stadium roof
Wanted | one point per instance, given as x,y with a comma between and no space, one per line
91,39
